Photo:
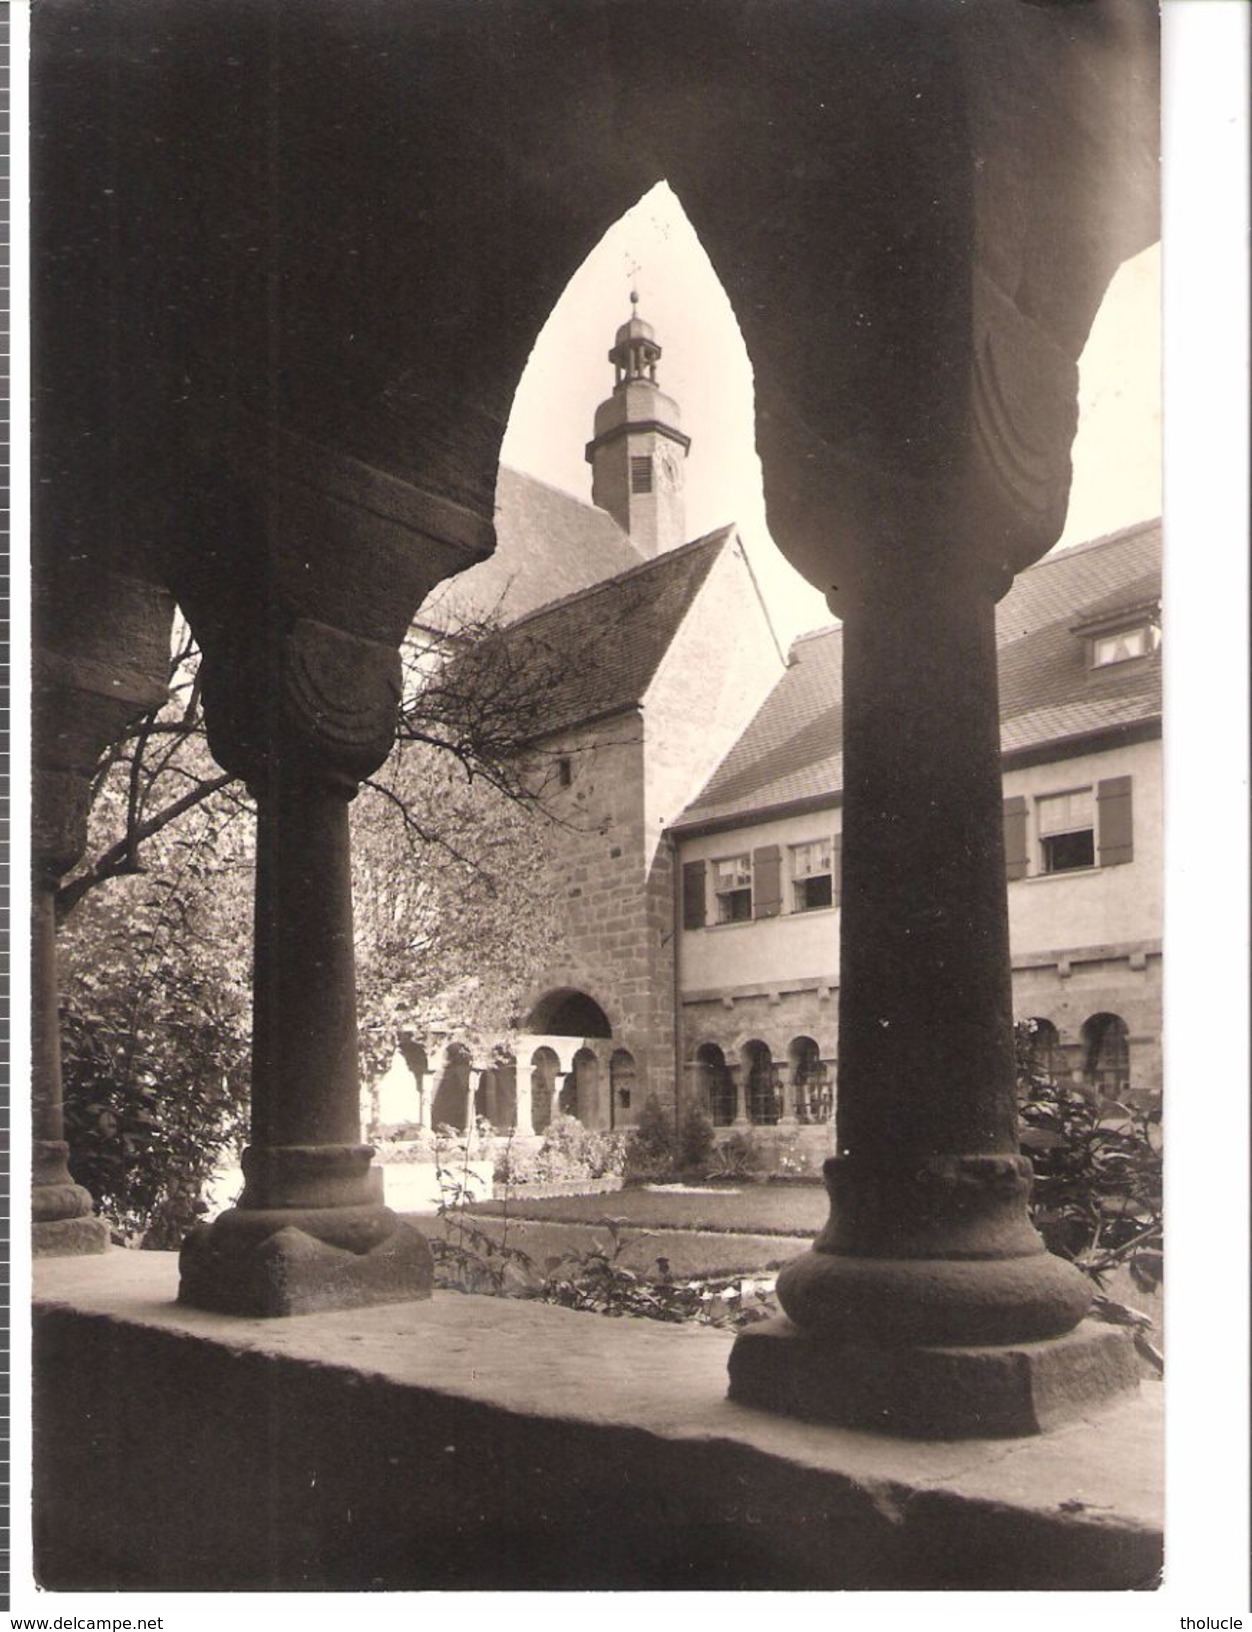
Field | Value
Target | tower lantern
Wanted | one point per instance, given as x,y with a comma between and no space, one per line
638,450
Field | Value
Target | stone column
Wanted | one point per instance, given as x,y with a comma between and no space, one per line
523,1123
61,1209
425,1099
316,566
310,1230
929,1253
101,651
742,1119
788,1093
473,1083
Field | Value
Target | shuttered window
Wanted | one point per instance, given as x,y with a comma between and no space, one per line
766,881
1066,831
811,877
836,868
641,473
694,897
732,889
1015,854
1116,821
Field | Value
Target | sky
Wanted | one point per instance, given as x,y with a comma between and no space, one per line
704,366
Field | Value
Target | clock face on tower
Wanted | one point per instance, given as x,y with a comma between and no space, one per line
667,466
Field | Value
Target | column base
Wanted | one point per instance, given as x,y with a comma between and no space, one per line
68,1237
273,1263
934,1300
933,1392
63,1212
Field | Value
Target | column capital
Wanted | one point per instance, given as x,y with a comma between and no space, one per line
316,699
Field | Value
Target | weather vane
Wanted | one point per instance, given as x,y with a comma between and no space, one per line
633,270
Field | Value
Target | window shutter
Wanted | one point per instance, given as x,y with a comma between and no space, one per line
694,897
1114,821
766,881
1015,858
836,870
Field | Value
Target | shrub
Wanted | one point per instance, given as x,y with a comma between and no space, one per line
696,1140
605,1152
651,1151
513,1166
738,1156
1097,1197
563,1154
569,1152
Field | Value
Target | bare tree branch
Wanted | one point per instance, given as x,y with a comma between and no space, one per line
122,857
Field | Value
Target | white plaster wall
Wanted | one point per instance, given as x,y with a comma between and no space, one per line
719,669
765,950
1103,905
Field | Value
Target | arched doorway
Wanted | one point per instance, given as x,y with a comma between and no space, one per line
760,1090
569,1020
452,1093
1045,1057
1106,1054
810,1081
543,1069
568,1012
494,1099
580,1095
716,1087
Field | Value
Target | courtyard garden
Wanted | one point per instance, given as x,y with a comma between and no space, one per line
669,1228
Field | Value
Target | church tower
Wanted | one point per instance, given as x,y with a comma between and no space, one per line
638,450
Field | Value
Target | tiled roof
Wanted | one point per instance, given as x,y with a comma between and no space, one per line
549,545
792,750
594,653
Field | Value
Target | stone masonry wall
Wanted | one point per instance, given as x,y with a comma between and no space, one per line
615,941
1128,986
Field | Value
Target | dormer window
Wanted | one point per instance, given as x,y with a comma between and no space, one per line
1120,634
1122,645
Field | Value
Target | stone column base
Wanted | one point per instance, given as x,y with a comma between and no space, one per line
63,1212
933,1393
68,1237
270,1264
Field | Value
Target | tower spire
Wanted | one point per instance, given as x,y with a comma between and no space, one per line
638,449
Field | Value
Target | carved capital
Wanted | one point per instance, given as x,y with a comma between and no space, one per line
1023,416
341,697
307,698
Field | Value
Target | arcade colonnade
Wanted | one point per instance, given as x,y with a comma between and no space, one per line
286,275
592,1078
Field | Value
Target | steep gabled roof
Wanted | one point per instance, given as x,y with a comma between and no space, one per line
594,653
549,545
792,750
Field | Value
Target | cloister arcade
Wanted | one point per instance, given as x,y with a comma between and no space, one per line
1098,1057
286,274
763,1084
565,1062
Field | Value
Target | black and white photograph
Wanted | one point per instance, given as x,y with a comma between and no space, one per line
625,874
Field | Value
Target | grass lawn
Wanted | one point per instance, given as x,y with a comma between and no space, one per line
752,1209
